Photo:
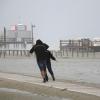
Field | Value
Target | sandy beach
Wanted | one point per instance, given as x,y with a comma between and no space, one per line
35,86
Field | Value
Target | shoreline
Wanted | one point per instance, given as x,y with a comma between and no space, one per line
61,80
50,89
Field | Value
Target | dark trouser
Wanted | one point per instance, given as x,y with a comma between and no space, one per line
50,69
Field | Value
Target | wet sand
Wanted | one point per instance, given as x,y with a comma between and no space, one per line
40,90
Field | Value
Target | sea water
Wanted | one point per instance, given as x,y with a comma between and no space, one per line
81,70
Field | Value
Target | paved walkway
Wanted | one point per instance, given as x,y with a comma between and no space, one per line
54,84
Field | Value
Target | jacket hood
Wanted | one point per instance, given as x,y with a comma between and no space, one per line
39,41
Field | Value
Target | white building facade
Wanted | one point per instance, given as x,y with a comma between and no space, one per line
17,38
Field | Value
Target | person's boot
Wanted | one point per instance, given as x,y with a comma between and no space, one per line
53,77
44,80
46,77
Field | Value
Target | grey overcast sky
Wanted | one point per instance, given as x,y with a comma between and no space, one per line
54,19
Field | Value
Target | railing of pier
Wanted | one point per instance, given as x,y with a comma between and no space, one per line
4,53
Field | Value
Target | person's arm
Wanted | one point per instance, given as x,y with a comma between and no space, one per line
46,46
51,56
32,50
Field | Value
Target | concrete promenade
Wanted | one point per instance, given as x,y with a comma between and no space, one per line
54,84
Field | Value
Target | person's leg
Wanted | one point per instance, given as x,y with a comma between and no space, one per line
45,71
43,75
42,68
46,76
50,69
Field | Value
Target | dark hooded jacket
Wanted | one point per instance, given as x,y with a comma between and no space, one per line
39,48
